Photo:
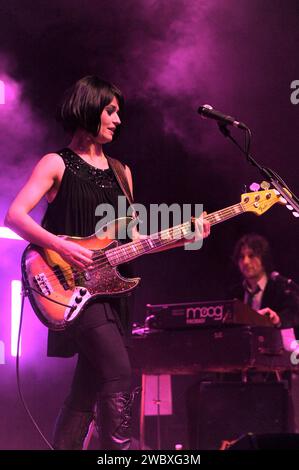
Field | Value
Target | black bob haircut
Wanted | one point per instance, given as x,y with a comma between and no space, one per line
83,104
260,248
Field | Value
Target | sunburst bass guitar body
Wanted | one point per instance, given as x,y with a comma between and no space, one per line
59,292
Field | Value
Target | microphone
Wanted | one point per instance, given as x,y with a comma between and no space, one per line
206,111
276,276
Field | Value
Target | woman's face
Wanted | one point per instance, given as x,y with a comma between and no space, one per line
109,121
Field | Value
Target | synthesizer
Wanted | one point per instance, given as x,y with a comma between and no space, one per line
200,314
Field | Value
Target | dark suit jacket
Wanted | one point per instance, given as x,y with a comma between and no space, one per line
278,296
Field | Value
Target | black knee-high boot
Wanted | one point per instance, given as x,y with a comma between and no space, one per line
114,420
71,429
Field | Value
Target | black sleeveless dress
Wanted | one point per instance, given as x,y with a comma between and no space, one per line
72,212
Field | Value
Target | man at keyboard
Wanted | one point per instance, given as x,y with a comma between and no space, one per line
265,290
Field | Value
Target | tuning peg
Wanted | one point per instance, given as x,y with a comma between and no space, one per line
288,206
265,185
284,201
254,187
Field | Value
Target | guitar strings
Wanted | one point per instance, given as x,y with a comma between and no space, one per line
101,259
121,259
114,257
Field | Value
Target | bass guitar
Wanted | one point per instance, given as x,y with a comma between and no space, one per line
59,293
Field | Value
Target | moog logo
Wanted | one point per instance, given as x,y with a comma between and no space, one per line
201,314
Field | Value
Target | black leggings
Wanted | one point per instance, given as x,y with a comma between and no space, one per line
103,366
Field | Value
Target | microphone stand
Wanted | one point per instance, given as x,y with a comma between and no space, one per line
269,175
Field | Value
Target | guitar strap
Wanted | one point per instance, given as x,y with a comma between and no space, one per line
119,171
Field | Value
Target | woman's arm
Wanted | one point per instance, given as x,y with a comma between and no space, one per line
46,174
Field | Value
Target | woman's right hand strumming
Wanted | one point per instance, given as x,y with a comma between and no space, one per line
74,254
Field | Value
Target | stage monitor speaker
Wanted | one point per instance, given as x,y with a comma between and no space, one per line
266,442
222,411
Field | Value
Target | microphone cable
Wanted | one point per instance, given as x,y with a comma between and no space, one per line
18,374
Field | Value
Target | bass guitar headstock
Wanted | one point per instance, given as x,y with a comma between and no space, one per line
259,202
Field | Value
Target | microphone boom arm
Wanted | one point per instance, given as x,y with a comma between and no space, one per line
269,175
